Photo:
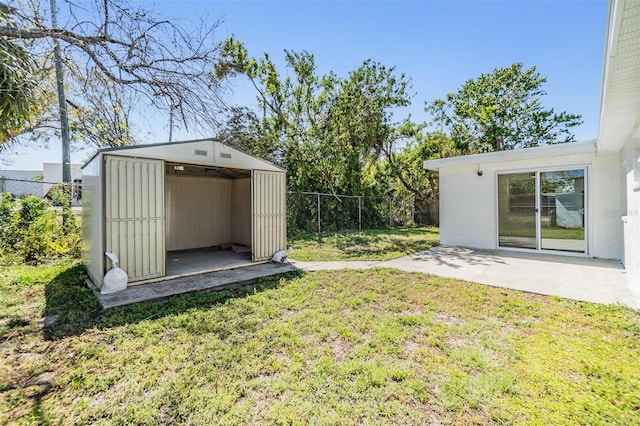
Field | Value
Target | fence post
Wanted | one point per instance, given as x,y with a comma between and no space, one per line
359,213
318,213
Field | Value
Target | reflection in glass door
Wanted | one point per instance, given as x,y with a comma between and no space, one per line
562,210
517,210
542,210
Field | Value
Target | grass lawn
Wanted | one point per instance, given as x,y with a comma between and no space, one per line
340,347
372,244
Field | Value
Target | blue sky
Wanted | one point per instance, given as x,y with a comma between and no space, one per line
439,44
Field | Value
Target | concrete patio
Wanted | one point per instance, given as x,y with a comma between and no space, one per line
577,278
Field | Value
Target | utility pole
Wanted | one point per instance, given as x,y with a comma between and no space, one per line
171,123
62,102
67,216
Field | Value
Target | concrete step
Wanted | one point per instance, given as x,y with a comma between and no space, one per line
211,281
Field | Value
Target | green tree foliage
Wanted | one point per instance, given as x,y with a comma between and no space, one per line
17,83
500,111
323,129
407,176
99,111
243,129
33,230
362,129
292,109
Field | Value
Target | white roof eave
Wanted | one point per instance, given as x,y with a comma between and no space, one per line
620,89
569,148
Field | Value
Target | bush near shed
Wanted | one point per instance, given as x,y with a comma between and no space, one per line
32,230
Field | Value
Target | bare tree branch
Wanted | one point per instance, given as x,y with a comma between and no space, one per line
167,64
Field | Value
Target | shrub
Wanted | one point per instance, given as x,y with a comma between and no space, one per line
32,230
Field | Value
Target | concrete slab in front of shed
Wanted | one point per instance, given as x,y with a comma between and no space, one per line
212,281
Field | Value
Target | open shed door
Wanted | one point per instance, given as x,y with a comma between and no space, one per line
269,214
134,215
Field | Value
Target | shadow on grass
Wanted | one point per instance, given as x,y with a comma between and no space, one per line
71,307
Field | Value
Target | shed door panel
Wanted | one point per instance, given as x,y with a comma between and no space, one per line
269,224
134,215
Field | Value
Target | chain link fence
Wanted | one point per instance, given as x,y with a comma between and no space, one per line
14,189
318,212
312,212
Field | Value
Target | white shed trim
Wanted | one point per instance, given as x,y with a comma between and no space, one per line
207,152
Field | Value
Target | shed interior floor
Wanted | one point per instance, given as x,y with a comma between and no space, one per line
192,261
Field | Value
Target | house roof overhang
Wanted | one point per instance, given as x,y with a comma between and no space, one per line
582,147
620,90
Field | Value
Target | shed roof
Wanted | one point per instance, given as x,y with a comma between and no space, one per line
582,147
620,91
206,152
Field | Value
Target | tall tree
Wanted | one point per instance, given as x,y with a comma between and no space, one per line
500,111
363,129
167,65
243,130
324,129
293,109
407,175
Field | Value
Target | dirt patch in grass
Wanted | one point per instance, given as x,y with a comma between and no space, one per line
340,349
336,347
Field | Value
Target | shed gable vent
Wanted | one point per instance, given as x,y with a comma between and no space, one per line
201,152
225,155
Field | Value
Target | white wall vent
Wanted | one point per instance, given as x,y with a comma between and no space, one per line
225,155
201,152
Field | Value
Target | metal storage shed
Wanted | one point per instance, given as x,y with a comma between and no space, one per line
144,203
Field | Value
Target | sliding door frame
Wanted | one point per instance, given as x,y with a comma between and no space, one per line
538,208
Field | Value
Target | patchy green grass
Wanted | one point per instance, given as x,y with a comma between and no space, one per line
372,244
341,347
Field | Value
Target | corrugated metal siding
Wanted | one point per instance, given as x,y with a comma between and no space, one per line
241,212
269,229
198,212
134,215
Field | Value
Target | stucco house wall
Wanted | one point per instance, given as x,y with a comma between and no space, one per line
468,202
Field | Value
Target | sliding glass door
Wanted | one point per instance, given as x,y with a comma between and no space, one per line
542,210
517,210
562,210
